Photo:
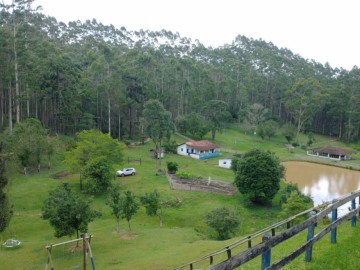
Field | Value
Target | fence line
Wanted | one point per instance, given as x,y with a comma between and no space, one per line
267,242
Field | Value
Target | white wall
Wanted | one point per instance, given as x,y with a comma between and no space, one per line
225,163
181,150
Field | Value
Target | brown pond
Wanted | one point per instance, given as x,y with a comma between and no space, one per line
321,182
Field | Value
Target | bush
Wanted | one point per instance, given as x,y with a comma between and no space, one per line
223,221
98,176
170,147
183,175
295,144
186,175
172,167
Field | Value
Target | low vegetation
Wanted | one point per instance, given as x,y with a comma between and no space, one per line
185,233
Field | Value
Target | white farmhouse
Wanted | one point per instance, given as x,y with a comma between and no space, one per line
198,149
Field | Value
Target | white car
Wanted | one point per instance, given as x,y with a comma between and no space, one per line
126,171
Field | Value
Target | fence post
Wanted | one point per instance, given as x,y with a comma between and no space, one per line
334,214
266,255
353,219
310,235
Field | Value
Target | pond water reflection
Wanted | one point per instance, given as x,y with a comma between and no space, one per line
321,182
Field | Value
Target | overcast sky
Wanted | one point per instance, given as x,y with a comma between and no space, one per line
323,30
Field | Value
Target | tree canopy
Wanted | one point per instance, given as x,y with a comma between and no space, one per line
95,151
223,221
87,75
258,174
67,212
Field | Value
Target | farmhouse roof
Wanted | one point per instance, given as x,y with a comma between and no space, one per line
332,150
202,145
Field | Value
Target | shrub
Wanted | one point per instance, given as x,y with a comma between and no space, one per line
172,167
170,147
183,175
186,175
223,221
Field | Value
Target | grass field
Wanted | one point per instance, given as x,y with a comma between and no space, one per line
184,236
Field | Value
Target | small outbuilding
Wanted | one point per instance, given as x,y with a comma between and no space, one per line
198,149
331,153
225,162
157,154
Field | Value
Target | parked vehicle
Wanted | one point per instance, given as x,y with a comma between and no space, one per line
126,171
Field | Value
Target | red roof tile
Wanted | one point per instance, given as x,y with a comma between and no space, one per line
202,145
332,150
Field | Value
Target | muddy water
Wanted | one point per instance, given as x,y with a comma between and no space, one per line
321,182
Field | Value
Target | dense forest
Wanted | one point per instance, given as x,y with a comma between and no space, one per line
84,75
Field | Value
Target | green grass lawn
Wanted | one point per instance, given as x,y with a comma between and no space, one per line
184,236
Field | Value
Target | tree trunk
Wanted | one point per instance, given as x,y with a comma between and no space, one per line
10,109
27,105
109,115
17,90
119,130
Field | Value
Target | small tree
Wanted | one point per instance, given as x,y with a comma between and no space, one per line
289,132
129,207
223,221
311,138
267,129
151,202
66,212
115,201
258,175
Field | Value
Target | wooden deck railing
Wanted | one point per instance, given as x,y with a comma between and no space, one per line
261,242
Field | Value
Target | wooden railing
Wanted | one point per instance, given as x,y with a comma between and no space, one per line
261,242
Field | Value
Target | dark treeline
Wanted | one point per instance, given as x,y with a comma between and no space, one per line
88,75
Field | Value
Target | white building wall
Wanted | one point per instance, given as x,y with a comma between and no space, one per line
182,150
225,163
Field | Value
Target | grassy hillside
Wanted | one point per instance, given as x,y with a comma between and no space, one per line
184,236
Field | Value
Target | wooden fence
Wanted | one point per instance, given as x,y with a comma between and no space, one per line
261,242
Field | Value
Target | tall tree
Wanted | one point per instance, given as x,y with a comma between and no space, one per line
256,114
304,99
216,112
158,125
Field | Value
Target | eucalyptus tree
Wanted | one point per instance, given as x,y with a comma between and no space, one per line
20,11
159,125
256,114
216,112
303,100
352,123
